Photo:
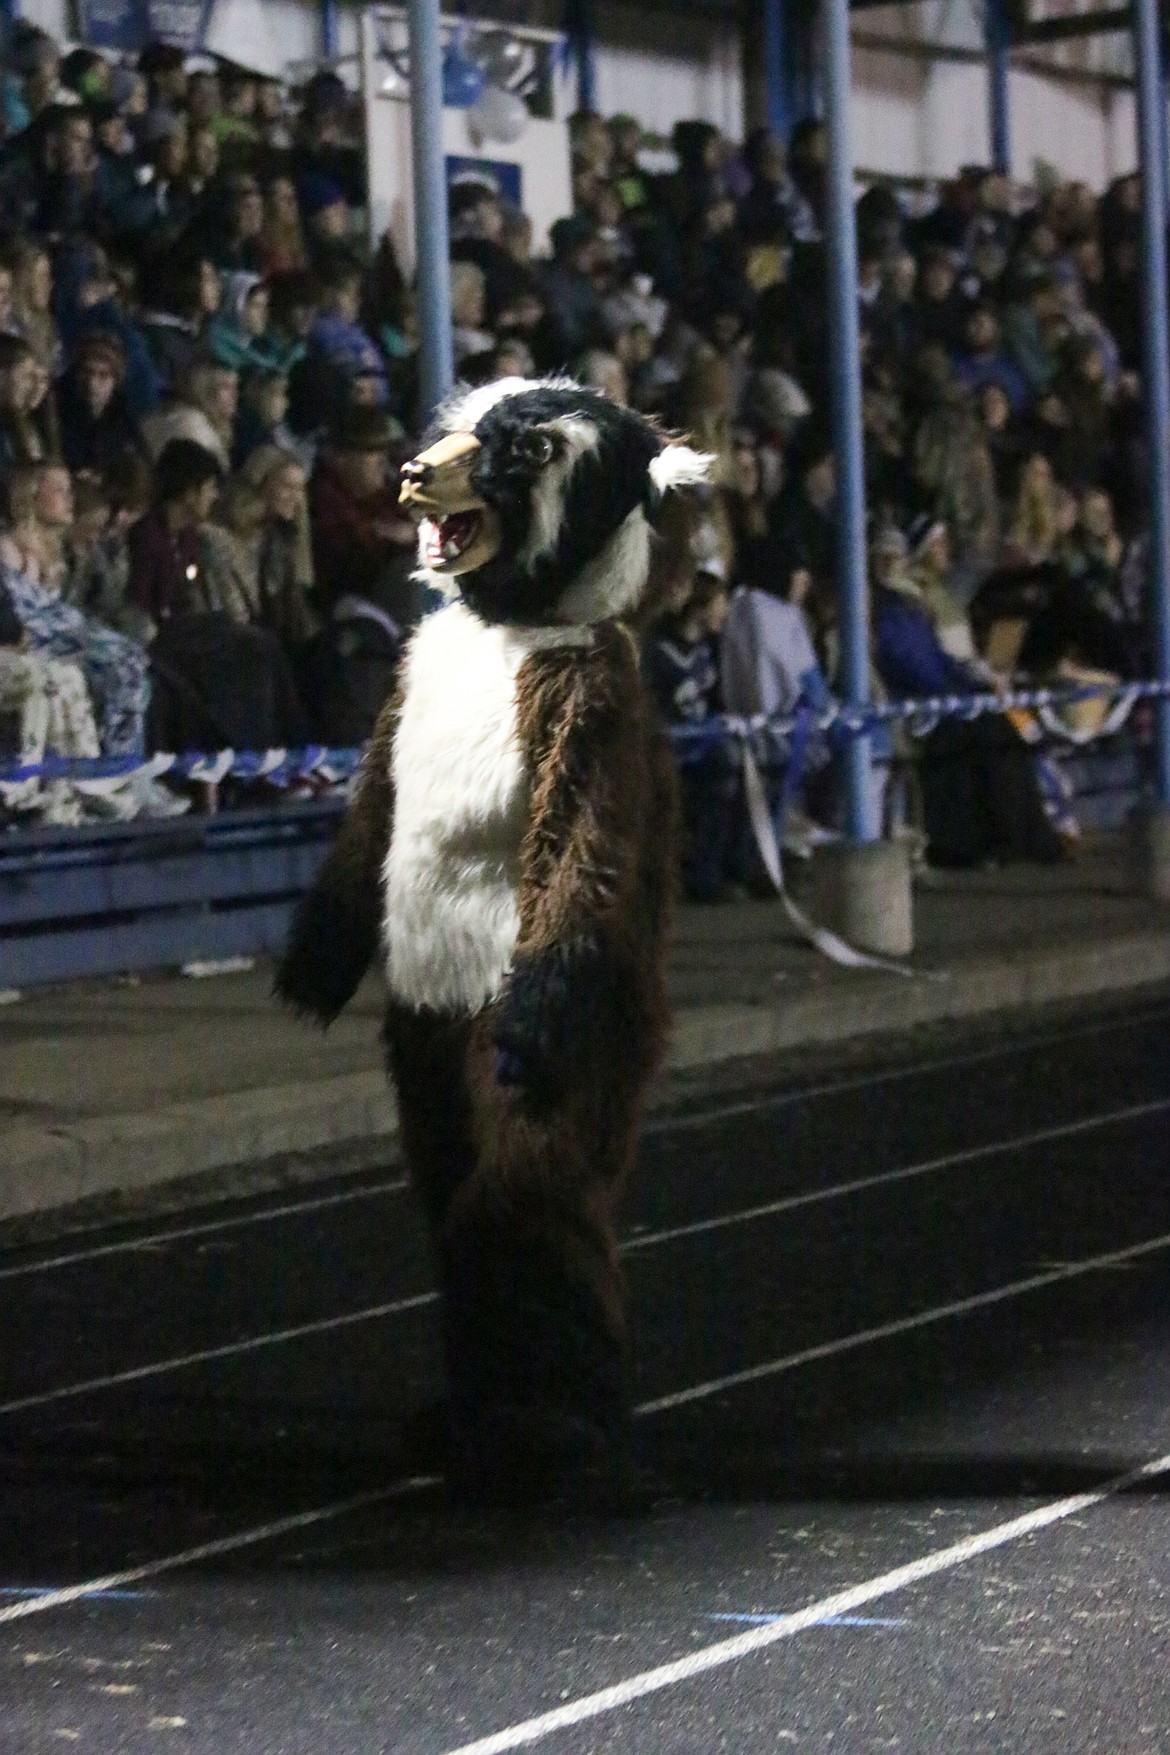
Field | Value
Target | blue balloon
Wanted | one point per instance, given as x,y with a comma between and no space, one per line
462,77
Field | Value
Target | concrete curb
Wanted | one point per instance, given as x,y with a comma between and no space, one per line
54,1167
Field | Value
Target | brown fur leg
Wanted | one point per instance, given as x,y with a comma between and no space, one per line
520,1208
535,1307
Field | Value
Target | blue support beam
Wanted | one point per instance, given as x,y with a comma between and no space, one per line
998,41
845,357
330,29
777,97
432,248
1156,335
582,32
789,63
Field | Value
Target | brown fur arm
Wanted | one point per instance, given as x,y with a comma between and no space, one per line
335,931
574,979
583,723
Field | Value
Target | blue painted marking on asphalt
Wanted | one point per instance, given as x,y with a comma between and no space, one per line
829,1620
41,1590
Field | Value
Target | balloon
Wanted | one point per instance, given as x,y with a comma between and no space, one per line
463,81
499,115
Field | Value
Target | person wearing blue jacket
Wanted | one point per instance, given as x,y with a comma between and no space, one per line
980,795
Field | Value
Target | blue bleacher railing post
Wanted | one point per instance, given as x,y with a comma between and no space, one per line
998,42
436,357
1156,334
845,359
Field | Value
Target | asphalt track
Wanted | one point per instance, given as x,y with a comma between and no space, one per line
903,1337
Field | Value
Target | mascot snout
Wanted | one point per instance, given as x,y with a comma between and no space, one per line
460,532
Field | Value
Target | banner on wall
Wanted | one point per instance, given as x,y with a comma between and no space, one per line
112,24
505,178
128,25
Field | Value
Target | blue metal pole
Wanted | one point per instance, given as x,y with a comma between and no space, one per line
777,85
330,30
845,358
583,32
1156,336
999,111
436,355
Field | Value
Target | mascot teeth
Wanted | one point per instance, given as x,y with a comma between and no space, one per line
449,537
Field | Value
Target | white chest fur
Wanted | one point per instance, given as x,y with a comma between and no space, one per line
461,797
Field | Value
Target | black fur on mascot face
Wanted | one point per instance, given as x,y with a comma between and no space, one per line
536,501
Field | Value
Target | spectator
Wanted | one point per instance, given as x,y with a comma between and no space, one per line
981,799
802,525
219,681
96,423
1033,323
32,304
468,311
953,470
326,216
232,232
1034,531
682,670
237,337
164,545
283,237
765,211
202,409
338,350
982,361
263,413
354,512
770,668
571,299
267,512
182,294
1085,453
940,308
24,433
32,561
50,703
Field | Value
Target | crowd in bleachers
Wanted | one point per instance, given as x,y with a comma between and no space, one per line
208,383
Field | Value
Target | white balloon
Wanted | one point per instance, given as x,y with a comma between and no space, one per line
498,115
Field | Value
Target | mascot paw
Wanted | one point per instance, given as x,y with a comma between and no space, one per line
546,1013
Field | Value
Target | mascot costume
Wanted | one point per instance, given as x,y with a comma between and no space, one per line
509,851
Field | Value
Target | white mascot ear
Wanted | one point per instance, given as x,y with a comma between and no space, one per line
678,466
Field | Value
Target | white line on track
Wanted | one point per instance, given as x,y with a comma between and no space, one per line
232,1222
951,1160
894,1074
901,1325
276,1338
399,1306
282,1526
842,1602
655,1126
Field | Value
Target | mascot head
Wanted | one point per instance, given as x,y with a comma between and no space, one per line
537,499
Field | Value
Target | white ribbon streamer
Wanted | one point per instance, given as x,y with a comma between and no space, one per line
830,944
